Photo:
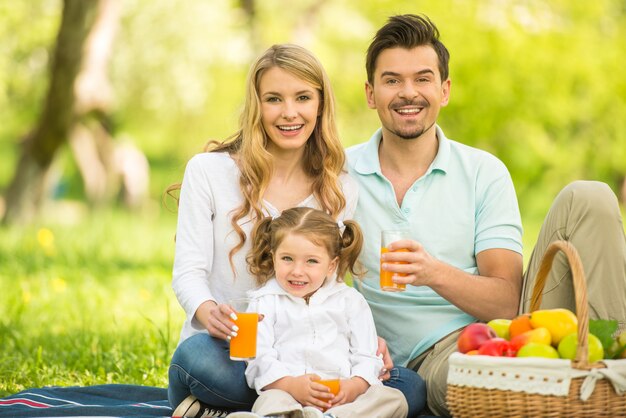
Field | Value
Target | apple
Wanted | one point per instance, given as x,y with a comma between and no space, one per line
498,347
473,336
621,341
569,344
538,350
501,327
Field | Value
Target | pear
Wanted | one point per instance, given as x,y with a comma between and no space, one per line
560,322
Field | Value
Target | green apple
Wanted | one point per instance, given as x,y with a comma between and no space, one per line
569,344
537,350
501,327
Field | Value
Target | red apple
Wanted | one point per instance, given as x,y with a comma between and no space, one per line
473,336
498,347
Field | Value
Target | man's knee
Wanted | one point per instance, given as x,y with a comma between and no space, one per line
590,196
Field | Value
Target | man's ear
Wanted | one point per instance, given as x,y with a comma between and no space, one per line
445,92
369,95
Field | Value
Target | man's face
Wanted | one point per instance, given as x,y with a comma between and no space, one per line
407,91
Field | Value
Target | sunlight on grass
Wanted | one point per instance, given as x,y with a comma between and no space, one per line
89,303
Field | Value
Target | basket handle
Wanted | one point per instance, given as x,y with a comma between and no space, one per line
580,294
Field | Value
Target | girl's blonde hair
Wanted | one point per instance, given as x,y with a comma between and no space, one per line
324,156
316,226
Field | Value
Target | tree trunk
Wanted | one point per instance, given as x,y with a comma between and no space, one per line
25,193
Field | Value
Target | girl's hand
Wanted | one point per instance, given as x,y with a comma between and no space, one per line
305,390
350,389
217,319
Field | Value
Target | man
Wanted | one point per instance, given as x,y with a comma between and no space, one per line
465,260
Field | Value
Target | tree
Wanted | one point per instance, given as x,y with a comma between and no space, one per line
75,106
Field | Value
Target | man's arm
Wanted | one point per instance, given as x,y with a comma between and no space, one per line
494,293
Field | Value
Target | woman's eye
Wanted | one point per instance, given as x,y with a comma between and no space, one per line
304,98
272,99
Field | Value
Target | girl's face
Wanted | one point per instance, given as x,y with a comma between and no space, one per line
301,266
289,109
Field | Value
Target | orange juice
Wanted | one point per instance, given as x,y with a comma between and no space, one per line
332,384
385,276
243,346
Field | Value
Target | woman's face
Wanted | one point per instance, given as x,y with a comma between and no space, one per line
289,109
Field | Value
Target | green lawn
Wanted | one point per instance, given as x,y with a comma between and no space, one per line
88,302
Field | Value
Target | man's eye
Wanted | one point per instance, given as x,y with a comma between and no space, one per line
391,81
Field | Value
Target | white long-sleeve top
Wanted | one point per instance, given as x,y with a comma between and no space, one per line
204,236
334,330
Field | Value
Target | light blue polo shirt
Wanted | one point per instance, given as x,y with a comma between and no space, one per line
464,204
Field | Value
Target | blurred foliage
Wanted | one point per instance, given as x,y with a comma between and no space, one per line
538,83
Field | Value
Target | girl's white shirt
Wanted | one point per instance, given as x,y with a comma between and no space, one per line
335,330
209,196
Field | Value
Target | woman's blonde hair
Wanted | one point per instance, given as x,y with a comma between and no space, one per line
316,226
324,156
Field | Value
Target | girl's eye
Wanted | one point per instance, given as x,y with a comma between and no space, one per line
286,258
312,261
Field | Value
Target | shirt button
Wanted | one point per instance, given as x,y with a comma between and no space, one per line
406,210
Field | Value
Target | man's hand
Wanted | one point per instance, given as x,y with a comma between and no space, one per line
383,352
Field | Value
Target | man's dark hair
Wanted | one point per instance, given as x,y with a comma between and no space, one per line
407,31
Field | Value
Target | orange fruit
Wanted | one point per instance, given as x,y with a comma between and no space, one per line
519,325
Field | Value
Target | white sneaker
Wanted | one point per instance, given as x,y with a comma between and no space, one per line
244,414
192,407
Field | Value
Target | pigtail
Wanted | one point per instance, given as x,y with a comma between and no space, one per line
259,259
351,245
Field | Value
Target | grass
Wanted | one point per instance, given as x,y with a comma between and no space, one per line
88,302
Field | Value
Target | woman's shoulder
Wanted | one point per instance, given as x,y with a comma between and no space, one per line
211,162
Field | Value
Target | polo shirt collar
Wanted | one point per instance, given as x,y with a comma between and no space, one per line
368,162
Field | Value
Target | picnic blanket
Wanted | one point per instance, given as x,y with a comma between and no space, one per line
113,400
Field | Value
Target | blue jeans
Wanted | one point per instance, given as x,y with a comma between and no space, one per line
201,366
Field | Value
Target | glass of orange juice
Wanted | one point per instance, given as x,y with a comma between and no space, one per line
329,378
243,346
387,237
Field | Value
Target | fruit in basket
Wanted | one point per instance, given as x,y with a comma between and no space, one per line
473,336
498,347
538,350
537,335
621,341
501,327
560,322
519,325
569,344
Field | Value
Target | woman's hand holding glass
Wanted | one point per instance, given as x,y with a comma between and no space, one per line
217,318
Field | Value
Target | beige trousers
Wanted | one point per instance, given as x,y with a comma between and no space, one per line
586,214
377,402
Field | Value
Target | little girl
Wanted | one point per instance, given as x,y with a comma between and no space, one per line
313,322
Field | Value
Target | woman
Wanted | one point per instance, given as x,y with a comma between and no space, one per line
286,153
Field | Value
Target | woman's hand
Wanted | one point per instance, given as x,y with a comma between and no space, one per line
350,389
383,352
217,319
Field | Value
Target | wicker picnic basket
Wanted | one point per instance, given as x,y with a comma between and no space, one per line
482,386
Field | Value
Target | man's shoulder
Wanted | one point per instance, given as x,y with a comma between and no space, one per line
354,151
473,155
